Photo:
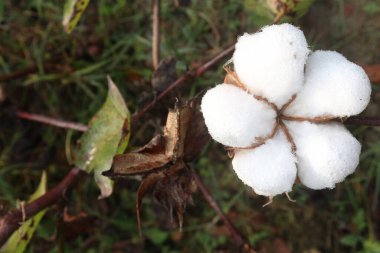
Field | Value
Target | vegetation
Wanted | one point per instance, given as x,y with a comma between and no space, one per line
45,70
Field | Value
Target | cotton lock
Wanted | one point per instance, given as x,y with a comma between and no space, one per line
327,153
334,86
271,62
235,118
268,170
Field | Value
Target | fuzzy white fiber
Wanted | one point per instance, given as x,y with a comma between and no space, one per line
234,117
269,169
334,86
271,62
326,153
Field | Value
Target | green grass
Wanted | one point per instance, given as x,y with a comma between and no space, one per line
114,37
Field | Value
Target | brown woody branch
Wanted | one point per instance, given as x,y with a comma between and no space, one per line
186,77
52,121
362,121
13,219
240,241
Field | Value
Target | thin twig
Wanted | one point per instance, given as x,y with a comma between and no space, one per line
52,121
362,121
156,33
280,15
186,77
13,219
240,241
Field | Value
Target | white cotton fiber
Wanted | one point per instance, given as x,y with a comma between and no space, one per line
269,169
271,62
234,117
326,153
334,86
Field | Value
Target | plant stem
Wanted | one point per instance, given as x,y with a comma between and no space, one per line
156,33
13,219
240,241
52,121
362,121
187,76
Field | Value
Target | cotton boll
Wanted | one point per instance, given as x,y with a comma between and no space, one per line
234,117
326,153
268,169
334,86
271,62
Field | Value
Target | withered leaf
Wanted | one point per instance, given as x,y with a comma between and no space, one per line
172,188
184,136
163,160
146,185
197,135
142,160
164,75
172,135
77,224
174,191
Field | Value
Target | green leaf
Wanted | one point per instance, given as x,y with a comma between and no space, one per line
360,220
157,236
371,246
73,10
302,7
371,8
350,240
19,240
108,134
257,237
259,11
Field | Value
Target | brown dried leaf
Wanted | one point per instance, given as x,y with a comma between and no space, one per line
171,188
75,225
174,191
197,135
164,75
143,160
146,185
172,134
184,136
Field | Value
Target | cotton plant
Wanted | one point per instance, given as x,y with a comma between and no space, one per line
280,112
